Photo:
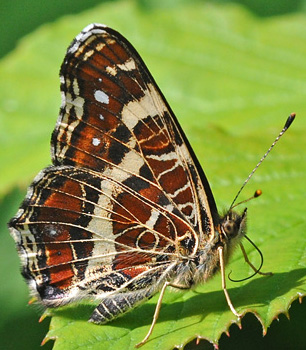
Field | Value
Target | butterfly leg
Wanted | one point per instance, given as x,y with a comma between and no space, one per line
155,316
157,309
222,268
251,265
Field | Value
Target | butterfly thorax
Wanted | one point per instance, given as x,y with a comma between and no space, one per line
228,234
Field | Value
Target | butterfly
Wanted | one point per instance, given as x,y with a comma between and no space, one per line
125,210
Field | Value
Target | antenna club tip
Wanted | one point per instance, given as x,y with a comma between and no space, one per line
289,120
257,193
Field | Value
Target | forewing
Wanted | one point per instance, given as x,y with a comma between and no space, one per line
115,120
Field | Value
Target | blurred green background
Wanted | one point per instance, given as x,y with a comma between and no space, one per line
19,17
18,322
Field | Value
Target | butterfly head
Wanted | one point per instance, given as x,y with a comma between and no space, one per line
232,229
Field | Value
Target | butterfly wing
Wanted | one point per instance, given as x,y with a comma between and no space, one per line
125,196
115,119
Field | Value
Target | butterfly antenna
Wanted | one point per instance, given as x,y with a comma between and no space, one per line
289,121
255,195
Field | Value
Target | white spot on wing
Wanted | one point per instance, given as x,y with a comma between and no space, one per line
101,96
96,141
52,232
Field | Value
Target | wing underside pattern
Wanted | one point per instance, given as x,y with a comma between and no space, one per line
125,195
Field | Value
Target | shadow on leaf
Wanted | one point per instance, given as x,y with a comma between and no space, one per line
256,293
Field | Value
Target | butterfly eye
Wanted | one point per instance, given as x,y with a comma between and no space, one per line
230,228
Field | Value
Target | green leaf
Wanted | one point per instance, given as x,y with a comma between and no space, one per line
232,80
